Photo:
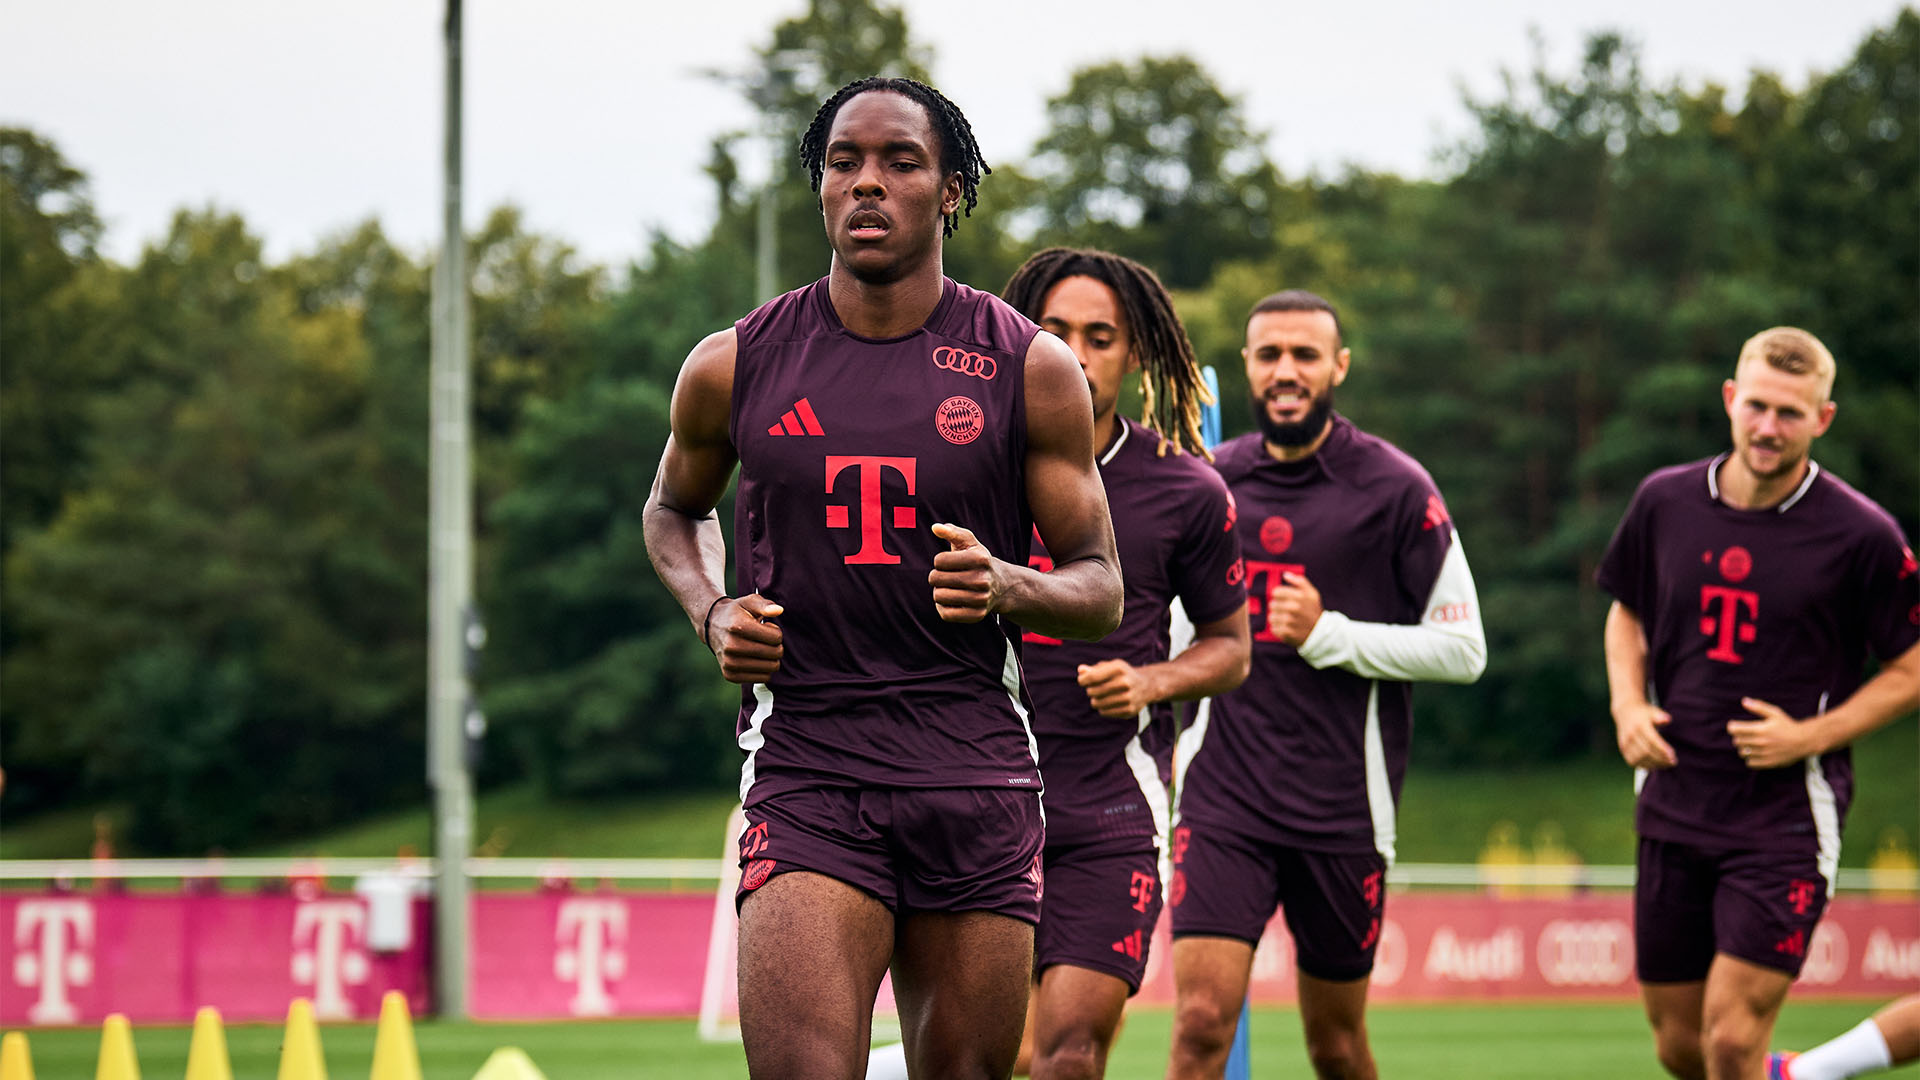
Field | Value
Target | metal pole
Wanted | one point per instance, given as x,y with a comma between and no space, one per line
764,262
450,570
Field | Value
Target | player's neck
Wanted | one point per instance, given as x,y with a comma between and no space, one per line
885,309
1104,429
1741,489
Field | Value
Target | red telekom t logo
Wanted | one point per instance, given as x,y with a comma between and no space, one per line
1725,626
1262,578
1141,889
1044,564
872,548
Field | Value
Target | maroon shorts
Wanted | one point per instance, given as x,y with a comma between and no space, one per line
1690,903
1226,885
914,849
1102,902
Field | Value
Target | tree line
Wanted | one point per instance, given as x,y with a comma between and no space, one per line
213,467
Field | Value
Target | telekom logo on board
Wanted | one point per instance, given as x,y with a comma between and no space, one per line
590,952
329,953
52,940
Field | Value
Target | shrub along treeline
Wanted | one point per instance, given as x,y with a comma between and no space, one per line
213,468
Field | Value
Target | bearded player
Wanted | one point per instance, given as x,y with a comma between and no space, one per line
1357,588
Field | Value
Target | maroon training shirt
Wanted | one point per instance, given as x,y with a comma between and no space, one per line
1173,522
851,449
1781,604
1284,758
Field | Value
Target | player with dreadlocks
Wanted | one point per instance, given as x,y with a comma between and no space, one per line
1102,711
893,430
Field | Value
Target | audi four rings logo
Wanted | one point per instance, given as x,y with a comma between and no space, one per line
966,363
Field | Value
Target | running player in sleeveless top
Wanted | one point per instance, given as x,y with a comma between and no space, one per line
1107,806
1357,588
898,436
1748,590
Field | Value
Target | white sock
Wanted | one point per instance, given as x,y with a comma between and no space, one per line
887,1062
1858,1051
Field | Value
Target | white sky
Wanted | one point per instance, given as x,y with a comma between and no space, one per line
591,114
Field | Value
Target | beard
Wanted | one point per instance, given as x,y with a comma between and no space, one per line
1786,463
1299,432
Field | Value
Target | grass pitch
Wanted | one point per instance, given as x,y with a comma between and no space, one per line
1412,1042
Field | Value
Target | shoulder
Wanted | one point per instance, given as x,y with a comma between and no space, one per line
786,317
984,320
710,365
1175,472
1366,460
1677,480
1236,457
703,395
1673,485
1051,369
1836,500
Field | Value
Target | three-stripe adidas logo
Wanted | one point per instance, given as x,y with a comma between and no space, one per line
798,420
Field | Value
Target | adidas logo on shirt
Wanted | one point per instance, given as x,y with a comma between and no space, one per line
798,420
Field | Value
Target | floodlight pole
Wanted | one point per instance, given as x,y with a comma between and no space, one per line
450,571
766,257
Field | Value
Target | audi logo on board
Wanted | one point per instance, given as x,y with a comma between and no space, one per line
949,358
1596,952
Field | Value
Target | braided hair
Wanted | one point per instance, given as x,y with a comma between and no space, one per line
1170,383
959,153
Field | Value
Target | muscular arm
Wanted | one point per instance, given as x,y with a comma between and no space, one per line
1216,662
1636,721
1776,739
1081,596
1447,645
683,534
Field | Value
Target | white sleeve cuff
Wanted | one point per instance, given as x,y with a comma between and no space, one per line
1447,645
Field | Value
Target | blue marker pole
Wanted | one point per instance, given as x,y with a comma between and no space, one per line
1240,1056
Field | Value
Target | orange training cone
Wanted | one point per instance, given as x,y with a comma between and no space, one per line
300,1048
207,1053
116,1051
394,1055
15,1062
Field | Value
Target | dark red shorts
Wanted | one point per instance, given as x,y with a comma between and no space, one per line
1102,902
1226,885
1690,903
914,849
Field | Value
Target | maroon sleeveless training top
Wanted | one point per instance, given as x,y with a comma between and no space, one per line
851,449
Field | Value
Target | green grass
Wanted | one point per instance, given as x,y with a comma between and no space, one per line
1445,816
1428,1042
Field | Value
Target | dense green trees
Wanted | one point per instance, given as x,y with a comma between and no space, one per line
213,469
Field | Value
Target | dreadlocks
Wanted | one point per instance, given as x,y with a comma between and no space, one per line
1170,383
958,150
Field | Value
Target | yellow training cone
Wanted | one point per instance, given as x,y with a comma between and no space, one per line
207,1053
394,1056
300,1048
116,1051
509,1063
15,1062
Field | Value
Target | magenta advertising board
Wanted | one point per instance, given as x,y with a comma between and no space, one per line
72,958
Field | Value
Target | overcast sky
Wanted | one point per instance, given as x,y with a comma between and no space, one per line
593,115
